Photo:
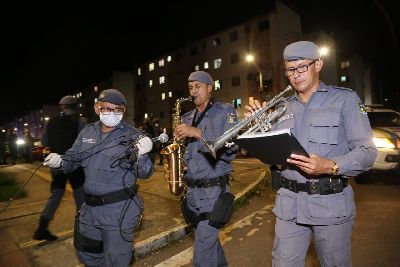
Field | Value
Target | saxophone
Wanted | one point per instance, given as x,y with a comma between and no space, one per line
174,168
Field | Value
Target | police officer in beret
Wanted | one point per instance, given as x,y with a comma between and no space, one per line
59,134
207,178
314,198
113,155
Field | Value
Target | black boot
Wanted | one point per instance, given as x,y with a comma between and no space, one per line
42,233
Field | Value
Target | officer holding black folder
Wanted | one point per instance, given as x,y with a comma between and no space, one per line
314,197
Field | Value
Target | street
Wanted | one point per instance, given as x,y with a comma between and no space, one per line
247,241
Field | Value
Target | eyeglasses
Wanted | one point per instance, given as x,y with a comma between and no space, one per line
107,110
299,69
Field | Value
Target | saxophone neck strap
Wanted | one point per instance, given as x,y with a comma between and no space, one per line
195,122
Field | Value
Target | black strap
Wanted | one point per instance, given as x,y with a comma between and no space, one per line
195,122
221,181
324,186
117,196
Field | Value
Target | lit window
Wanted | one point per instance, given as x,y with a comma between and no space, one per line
197,67
80,105
343,79
169,94
95,100
237,103
151,66
150,83
161,63
344,64
162,96
217,85
206,65
217,63
139,71
162,79
96,88
169,58
146,115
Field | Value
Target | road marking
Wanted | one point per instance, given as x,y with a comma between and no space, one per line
32,243
184,257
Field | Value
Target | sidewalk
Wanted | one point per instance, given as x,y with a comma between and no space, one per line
162,221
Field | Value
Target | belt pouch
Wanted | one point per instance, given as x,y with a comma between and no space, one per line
83,243
222,211
189,216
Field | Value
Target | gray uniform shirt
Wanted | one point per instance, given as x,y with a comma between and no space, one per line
199,161
97,153
334,125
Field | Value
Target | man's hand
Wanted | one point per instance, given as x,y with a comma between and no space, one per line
252,107
53,160
314,165
144,145
183,130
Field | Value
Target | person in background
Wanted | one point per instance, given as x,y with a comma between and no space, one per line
207,178
314,198
113,155
59,134
28,145
12,144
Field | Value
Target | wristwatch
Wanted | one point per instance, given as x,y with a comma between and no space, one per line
335,169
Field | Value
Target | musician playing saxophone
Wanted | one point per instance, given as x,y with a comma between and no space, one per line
208,203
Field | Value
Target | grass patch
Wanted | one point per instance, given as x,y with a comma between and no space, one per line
254,191
9,187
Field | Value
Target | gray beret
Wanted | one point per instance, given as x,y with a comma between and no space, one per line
113,96
200,76
301,50
67,100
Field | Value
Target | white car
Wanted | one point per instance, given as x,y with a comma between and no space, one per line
385,125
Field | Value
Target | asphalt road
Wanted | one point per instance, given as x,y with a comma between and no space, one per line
247,241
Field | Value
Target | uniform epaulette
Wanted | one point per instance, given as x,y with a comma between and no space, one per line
223,105
342,88
187,113
291,98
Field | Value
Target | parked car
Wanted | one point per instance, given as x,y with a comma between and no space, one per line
385,125
37,150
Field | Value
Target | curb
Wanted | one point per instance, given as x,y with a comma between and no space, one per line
179,231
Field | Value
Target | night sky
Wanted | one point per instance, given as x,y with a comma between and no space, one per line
49,50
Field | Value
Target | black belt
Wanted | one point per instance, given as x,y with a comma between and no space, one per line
117,196
204,183
324,186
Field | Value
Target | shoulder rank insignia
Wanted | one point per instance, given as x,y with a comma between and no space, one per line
363,110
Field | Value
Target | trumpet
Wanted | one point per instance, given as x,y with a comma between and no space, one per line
259,121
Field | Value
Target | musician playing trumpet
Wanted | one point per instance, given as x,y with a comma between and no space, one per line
206,177
314,198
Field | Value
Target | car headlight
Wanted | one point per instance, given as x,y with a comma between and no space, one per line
382,142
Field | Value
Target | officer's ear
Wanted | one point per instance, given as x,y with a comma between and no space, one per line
96,109
318,65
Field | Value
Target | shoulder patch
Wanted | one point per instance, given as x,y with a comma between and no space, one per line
232,118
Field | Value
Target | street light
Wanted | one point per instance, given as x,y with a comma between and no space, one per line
250,58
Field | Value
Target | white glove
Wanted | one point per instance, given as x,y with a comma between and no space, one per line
53,160
144,145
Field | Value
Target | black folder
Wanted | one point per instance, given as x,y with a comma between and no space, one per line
272,147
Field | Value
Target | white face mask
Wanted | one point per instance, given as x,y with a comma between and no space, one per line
111,120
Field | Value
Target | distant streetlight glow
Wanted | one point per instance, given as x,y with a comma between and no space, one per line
324,51
251,59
